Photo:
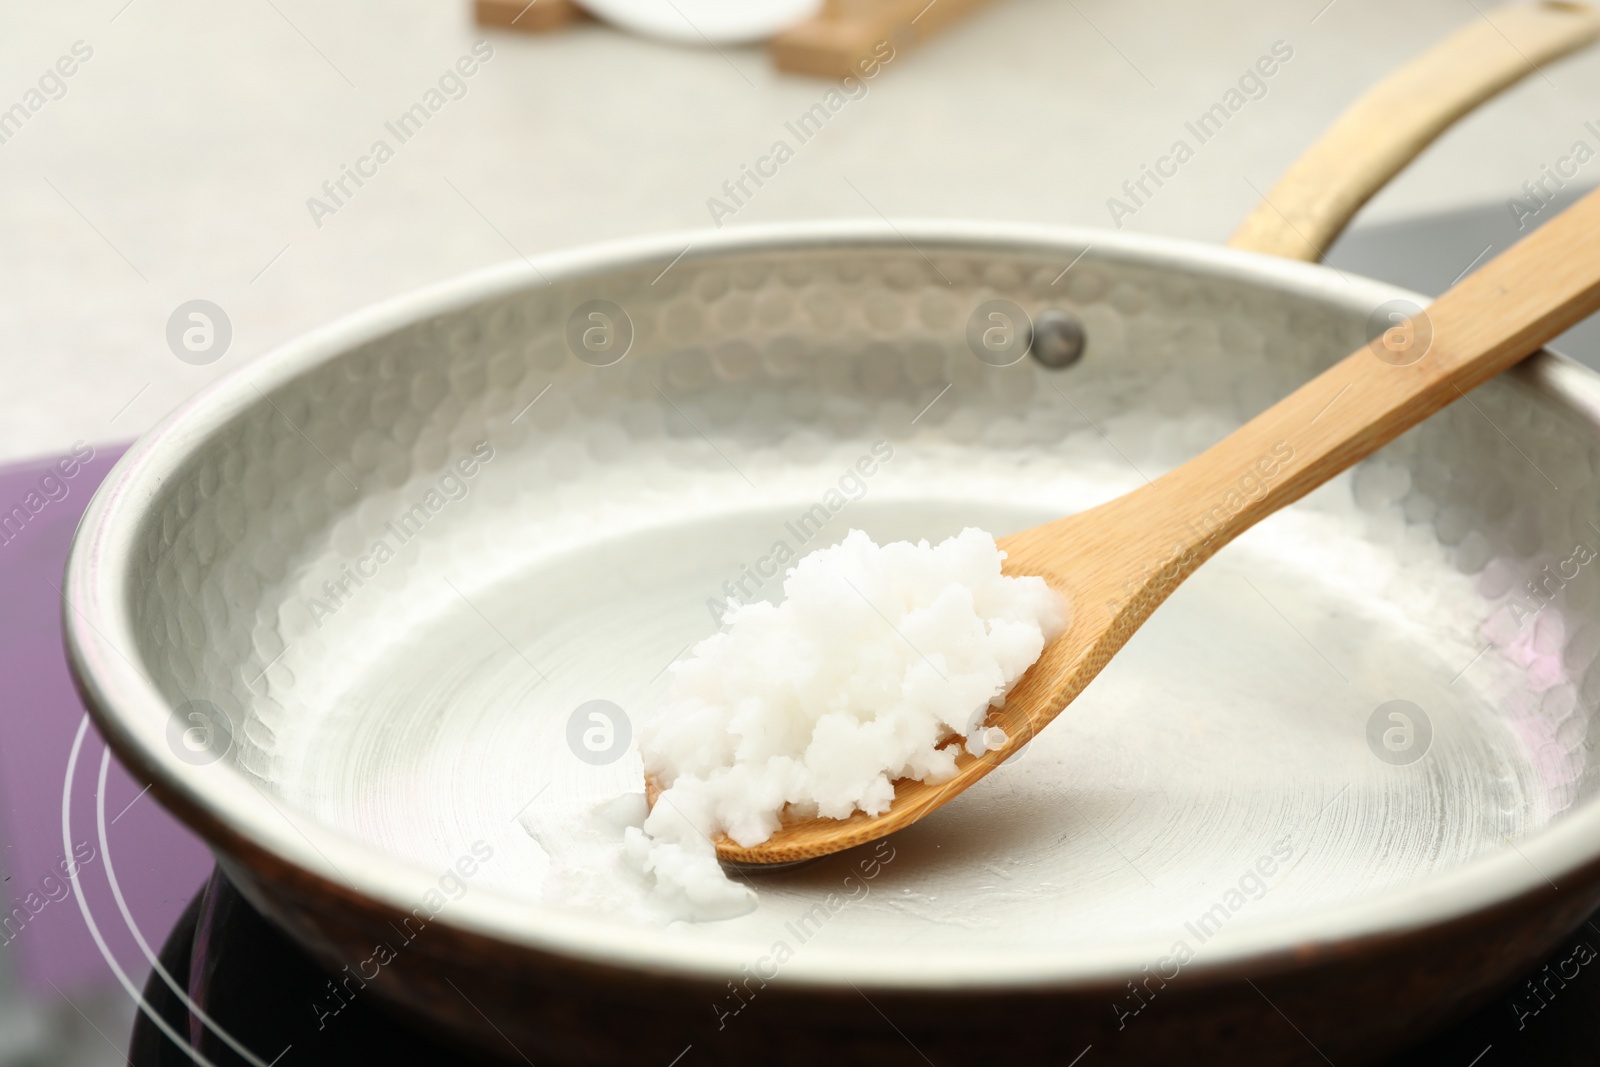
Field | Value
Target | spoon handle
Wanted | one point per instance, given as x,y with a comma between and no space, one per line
1496,317
1535,290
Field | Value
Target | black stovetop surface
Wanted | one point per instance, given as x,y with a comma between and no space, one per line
264,993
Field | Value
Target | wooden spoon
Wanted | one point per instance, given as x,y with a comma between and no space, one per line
1117,562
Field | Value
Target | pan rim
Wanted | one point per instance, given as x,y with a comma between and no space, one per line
227,810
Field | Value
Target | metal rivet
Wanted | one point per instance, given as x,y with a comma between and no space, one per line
1058,339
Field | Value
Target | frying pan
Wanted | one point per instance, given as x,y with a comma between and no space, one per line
377,743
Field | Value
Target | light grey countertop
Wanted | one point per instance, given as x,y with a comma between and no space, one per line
178,162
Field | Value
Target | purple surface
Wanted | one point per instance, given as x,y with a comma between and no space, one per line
157,863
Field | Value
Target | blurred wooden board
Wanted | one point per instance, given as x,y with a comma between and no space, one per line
848,37
850,33
537,16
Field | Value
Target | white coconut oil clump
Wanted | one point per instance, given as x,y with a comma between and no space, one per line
876,659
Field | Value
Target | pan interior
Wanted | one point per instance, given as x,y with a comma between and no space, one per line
556,532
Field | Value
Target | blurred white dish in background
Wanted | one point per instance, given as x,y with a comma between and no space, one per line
704,21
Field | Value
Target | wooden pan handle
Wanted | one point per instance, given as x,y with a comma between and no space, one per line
1394,121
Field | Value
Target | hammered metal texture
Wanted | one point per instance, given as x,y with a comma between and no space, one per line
420,702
